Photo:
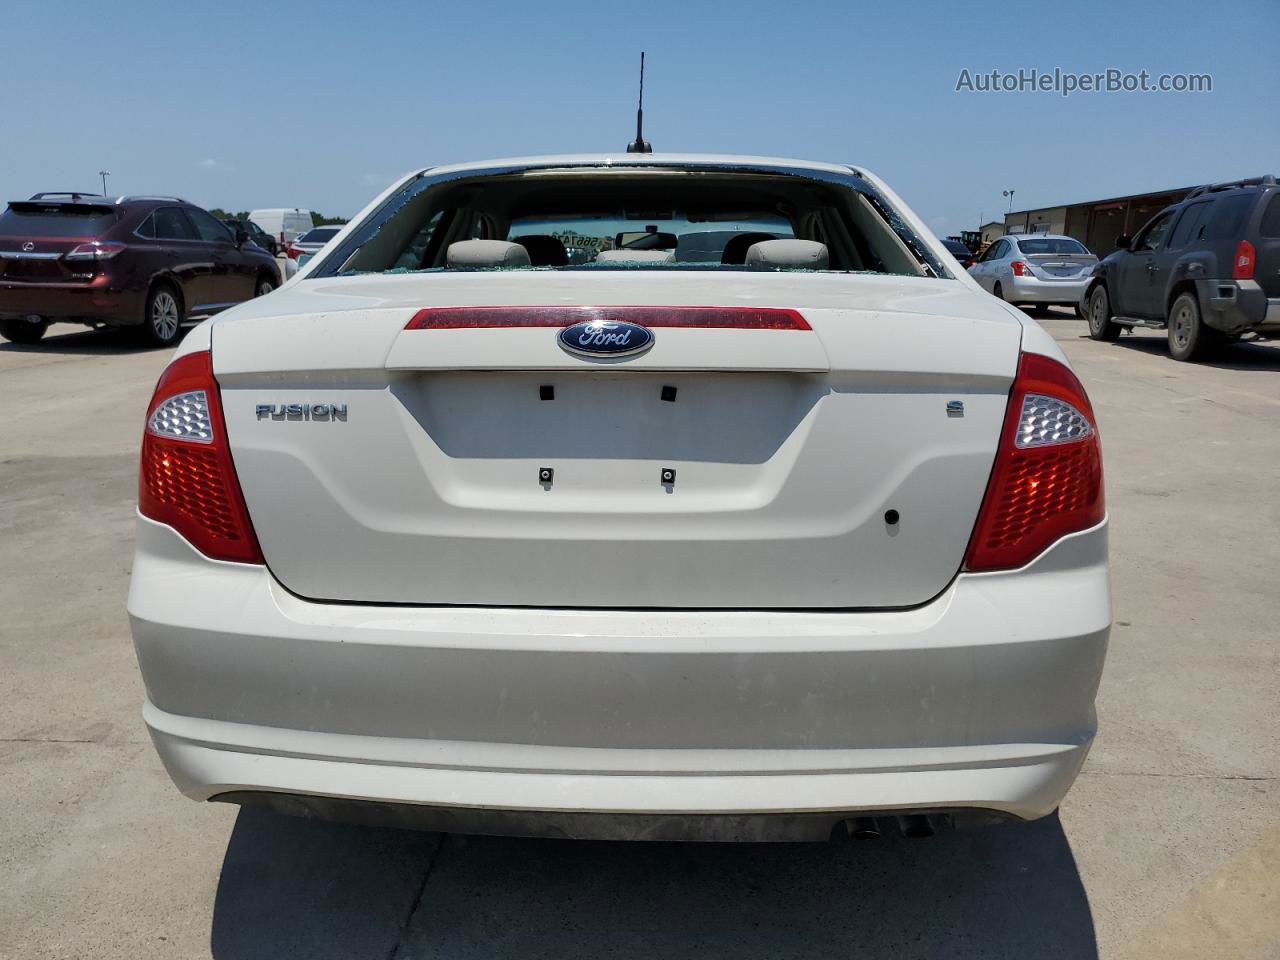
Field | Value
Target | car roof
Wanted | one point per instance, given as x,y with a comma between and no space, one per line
623,159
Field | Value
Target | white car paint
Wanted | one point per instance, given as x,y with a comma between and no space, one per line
433,628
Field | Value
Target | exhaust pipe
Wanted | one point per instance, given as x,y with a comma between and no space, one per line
915,826
862,828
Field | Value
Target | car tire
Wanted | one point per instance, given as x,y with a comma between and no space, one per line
1101,326
162,319
23,331
265,286
998,291
1189,338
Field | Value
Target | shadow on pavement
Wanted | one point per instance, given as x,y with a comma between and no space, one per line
300,888
84,342
1245,355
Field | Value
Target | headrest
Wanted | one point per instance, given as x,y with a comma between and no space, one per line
486,253
635,256
805,254
544,250
735,249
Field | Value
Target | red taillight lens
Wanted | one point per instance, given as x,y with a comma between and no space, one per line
735,318
1242,265
1047,478
97,250
292,252
187,479
1020,269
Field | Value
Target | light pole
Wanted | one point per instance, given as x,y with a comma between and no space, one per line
1009,194
104,174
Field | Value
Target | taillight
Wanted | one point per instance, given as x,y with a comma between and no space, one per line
97,250
292,252
1242,265
1020,269
1047,478
186,478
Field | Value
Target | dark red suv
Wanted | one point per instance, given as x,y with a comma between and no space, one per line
144,262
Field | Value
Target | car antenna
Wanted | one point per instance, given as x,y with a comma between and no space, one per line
640,145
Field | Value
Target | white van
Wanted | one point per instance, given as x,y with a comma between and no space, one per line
283,223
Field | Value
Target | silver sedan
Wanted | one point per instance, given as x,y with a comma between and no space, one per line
1035,269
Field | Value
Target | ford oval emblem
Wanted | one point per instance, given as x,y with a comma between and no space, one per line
606,338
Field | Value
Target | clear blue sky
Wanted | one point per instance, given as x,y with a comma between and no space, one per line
275,103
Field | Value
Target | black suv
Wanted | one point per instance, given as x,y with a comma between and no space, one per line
144,262
1207,268
256,234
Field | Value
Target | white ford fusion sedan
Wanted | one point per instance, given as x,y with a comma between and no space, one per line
645,496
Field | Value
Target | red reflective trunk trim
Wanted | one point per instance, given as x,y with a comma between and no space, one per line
714,318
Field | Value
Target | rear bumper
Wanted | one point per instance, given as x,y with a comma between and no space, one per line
1238,306
981,699
1032,290
93,301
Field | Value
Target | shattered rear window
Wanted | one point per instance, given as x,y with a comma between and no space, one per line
633,218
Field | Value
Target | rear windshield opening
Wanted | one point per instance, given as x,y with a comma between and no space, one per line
634,219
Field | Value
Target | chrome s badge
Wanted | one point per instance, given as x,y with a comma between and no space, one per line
605,338
301,411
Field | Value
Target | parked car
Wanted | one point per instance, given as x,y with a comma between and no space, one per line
145,262
284,223
256,234
1035,269
1207,269
640,547
958,250
310,242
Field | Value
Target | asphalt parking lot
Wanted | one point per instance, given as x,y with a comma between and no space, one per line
1168,846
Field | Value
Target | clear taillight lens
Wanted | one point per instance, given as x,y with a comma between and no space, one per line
1046,481
1048,420
183,417
186,478
96,250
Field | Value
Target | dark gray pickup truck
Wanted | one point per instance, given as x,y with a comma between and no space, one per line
1207,268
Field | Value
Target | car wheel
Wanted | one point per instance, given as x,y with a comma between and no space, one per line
162,322
265,286
1080,312
1101,326
1189,338
23,331
997,291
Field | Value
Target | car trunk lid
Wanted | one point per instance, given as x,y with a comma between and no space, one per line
1060,266
840,465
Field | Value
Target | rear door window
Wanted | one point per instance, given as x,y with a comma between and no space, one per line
207,228
172,224
1191,227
